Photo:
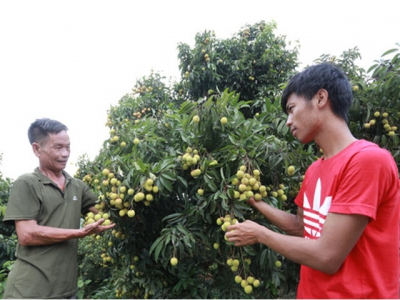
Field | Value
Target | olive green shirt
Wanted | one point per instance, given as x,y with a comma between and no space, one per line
48,271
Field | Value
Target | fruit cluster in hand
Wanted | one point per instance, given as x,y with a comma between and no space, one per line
247,185
225,222
92,217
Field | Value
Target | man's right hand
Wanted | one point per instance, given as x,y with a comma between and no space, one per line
96,227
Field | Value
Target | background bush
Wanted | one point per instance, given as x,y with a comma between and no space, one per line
8,239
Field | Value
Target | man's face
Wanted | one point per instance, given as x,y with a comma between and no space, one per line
302,117
54,153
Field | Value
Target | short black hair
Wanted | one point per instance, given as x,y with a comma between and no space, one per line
322,76
41,128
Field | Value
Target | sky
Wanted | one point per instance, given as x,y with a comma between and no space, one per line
72,60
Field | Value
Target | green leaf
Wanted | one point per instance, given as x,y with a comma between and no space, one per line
169,175
224,203
157,251
173,217
249,250
166,183
157,246
186,108
390,51
167,164
263,257
210,183
139,165
182,181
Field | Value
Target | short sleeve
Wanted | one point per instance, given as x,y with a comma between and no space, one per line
88,198
364,182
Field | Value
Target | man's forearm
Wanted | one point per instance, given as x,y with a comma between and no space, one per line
285,221
297,249
31,234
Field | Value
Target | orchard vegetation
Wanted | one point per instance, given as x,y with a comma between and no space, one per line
8,239
182,158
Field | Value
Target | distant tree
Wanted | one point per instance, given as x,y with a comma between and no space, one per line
254,63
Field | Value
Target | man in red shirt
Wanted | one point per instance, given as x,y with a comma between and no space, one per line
345,234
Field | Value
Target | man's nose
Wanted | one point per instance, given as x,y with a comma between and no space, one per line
65,152
289,121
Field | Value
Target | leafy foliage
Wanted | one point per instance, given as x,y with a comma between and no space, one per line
185,225
254,63
8,239
93,267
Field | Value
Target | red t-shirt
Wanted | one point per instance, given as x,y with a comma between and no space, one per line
362,179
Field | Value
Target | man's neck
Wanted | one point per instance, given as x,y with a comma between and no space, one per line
335,139
51,174
57,177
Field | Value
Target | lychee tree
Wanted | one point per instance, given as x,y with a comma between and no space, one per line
189,175
254,62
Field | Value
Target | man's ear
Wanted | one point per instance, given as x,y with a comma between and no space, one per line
322,98
36,149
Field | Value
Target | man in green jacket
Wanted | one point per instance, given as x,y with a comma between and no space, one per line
46,207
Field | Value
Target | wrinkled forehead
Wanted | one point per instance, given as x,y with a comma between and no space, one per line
60,138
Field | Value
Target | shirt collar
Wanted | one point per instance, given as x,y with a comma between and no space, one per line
46,179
